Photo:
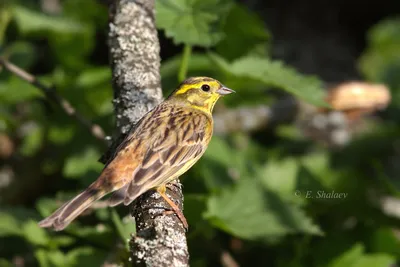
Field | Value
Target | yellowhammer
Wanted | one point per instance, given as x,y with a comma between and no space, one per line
163,145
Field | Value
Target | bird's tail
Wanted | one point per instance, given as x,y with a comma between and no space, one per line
72,209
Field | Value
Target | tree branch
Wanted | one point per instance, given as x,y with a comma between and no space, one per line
52,94
135,60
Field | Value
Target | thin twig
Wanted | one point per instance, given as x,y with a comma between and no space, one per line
51,93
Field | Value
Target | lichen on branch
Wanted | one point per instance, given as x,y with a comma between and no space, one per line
134,54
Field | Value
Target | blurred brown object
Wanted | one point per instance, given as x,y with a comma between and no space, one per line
357,98
349,101
6,146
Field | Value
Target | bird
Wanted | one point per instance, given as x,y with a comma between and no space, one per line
164,144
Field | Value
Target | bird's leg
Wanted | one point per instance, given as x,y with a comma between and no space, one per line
162,191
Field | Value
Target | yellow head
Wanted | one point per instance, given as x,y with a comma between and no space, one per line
200,92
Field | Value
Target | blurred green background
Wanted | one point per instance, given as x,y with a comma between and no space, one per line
246,199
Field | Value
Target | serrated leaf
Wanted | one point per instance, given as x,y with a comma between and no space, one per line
193,22
274,73
250,212
29,21
241,38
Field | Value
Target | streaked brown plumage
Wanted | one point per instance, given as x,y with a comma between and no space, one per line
163,145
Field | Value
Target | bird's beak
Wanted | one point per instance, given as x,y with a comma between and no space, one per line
225,91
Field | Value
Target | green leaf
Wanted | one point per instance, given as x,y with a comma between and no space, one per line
219,157
241,38
34,234
78,165
349,257
355,257
62,240
9,225
385,240
124,229
33,141
101,234
192,22
29,21
5,263
274,73
195,205
219,151
280,176
46,206
88,11
250,212
316,172
21,54
85,256
93,76
50,258
381,60
95,83
71,49
15,90
61,134
382,50
374,260
5,18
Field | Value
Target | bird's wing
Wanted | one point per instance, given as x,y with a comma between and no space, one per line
175,147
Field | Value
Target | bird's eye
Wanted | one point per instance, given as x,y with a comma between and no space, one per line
205,87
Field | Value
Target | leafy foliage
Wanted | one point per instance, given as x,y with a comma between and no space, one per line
381,60
251,194
29,21
192,22
251,212
275,74
356,257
